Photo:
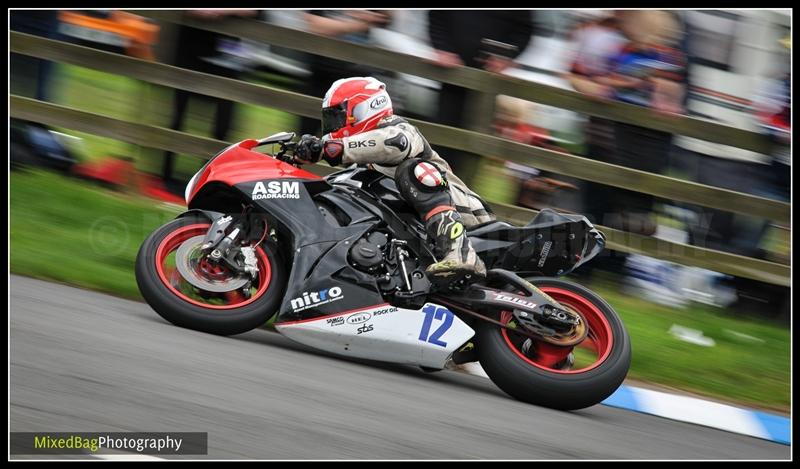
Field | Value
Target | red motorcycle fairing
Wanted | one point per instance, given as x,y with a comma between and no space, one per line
238,163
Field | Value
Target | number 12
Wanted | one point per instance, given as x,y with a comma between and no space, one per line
439,313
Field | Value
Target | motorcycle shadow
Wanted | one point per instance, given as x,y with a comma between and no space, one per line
449,378
271,338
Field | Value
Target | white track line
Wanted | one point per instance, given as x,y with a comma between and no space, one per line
690,410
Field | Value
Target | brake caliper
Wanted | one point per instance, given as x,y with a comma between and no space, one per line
250,262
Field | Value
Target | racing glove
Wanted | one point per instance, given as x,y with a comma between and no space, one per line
308,148
332,151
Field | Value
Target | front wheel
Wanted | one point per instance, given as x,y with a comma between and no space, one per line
545,374
229,305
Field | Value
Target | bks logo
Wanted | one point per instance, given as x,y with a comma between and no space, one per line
316,298
378,102
368,143
276,190
365,328
358,318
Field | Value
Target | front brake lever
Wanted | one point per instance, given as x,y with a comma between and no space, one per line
290,159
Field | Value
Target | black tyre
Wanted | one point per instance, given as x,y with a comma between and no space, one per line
543,374
179,302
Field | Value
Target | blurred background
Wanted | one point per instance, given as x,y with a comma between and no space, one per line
696,328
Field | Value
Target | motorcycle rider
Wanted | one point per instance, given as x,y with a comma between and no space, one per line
360,127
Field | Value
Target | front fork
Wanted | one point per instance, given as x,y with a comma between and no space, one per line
227,238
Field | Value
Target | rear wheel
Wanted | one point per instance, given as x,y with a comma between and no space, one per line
227,303
550,375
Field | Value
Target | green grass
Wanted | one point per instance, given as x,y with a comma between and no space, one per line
753,372
80,234
71,232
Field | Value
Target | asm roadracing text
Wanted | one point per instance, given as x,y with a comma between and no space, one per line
276,190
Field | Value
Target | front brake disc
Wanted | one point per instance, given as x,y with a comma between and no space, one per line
187,261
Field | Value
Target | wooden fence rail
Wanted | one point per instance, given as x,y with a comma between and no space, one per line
474,142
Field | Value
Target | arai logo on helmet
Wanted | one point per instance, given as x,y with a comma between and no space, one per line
276,190
378,102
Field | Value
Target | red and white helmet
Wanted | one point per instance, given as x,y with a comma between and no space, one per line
354,105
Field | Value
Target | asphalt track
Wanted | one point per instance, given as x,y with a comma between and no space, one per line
83,361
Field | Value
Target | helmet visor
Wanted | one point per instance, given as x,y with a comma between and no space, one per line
334,117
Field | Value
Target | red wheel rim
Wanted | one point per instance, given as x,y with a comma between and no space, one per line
600,338
236,298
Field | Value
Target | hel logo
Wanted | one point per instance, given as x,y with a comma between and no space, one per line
316,298
427,174
378,102
277,190
358,318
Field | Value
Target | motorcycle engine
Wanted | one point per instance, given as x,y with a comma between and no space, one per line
396,268
368,254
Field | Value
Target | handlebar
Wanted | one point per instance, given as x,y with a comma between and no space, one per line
290,157
286,153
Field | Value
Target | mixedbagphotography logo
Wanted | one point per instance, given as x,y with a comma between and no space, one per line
97,442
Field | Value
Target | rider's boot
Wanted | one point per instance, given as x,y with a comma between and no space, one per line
425,187
457,259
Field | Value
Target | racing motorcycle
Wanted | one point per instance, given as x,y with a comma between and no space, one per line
338,264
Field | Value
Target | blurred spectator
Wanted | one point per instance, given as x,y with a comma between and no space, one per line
474,38
511,122
347,25
596,43
27,70
773,107
719,166
113,31
736,169
647,72
195,50
730,168
762,175
539,189
458,37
